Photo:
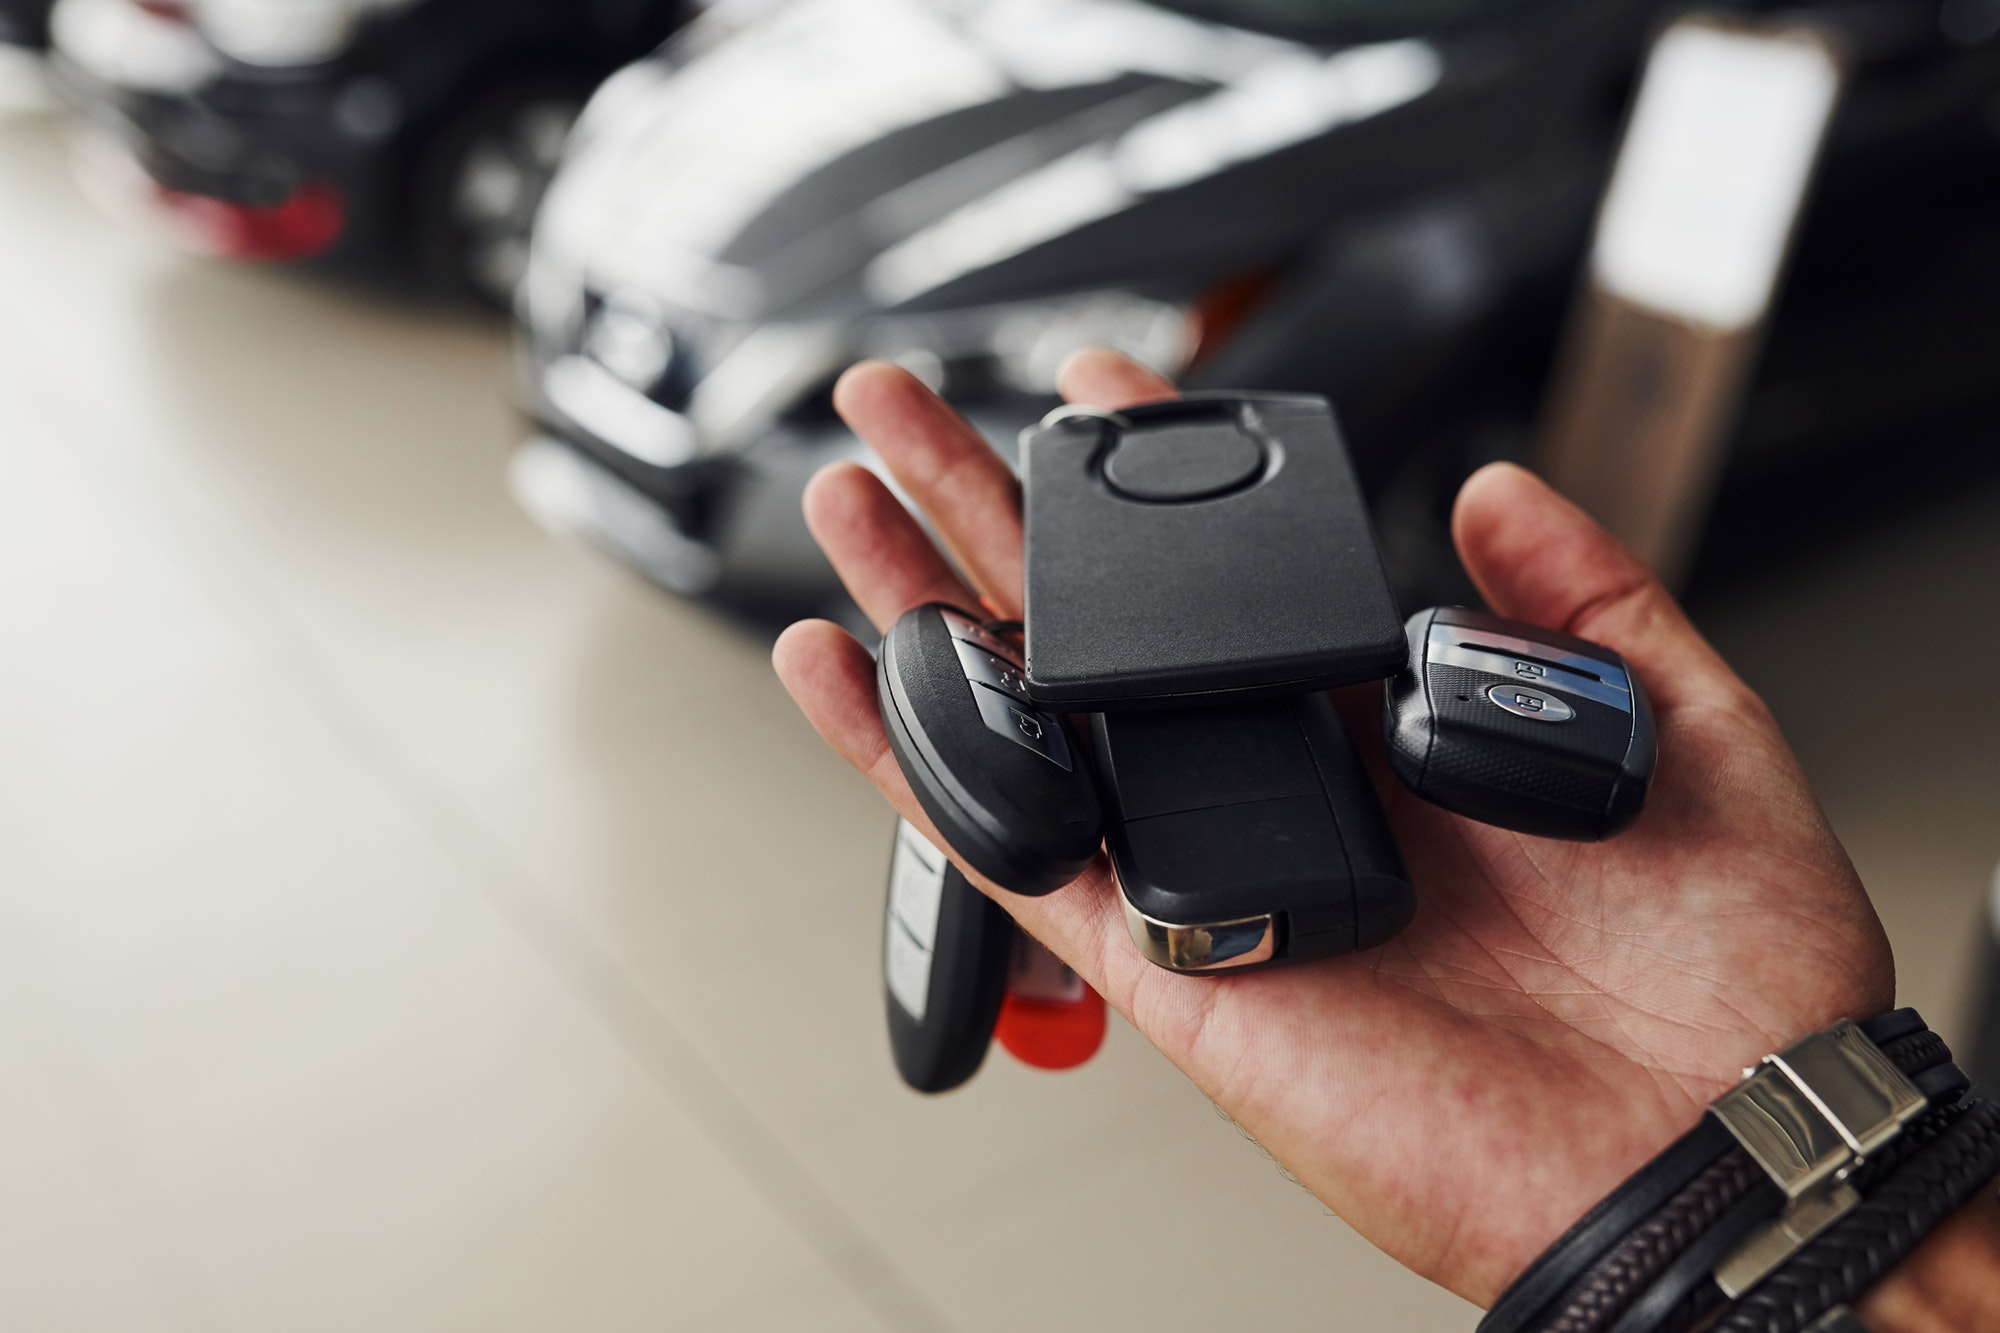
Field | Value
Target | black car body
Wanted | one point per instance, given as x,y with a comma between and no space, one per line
25,22
1389,205
403,139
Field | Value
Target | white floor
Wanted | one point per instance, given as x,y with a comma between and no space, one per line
407,923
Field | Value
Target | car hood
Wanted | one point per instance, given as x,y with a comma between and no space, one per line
287,32
125,46
838,156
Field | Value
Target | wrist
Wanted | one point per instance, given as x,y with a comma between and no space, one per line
1950,1282
1807,1184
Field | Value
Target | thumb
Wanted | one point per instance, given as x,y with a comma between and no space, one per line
1536,557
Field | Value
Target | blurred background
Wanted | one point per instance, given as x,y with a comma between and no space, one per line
410,921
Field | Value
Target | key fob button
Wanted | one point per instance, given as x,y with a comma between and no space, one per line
916,892
997,673
906,968
1183,463
965,630
1522,701
1025,726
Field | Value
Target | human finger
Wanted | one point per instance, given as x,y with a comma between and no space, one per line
880,552
969,493
1106,377
1536,557
832,678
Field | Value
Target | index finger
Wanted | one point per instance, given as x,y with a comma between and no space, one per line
967,490
1104,377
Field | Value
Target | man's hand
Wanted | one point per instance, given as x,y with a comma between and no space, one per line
1556,1013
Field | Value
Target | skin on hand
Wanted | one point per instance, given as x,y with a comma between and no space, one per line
1951,1284
1556,1013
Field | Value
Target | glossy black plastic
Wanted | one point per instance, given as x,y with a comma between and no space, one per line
1005,784
1521,727
946,951
1224,814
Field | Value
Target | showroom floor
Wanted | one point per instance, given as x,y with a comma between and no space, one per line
408,923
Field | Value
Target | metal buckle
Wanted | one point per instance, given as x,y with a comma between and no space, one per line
1808,1116
1210,948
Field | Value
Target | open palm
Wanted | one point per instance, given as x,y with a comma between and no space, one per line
1556,1013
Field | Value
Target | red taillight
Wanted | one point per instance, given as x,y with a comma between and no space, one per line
307,223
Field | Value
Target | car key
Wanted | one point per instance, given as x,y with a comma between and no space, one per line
1051,1018
1525,728
1002,781
1247,835
1208,549
946,951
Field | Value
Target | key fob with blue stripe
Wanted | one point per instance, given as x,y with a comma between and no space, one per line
1519,727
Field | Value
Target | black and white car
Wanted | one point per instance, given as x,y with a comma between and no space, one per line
25,23
1387,203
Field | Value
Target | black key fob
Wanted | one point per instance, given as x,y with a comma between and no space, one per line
1519,727
1211,549
946,952
1004,782
1247,835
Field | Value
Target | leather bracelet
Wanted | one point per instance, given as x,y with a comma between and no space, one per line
1659,1307
1602,1293
1684,1290
1741,1199
1707,1297
1540,1294
1857,1251
1604,1226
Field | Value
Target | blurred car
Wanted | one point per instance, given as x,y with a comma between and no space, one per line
1384,202
409,140
25,22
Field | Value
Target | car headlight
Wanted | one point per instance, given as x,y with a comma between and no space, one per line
1021,347
625,342
285,32
634,383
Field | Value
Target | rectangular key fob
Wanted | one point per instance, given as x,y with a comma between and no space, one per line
1209,549
945,953
1520,727
1247,835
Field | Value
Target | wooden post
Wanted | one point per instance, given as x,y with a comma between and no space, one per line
1703,200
